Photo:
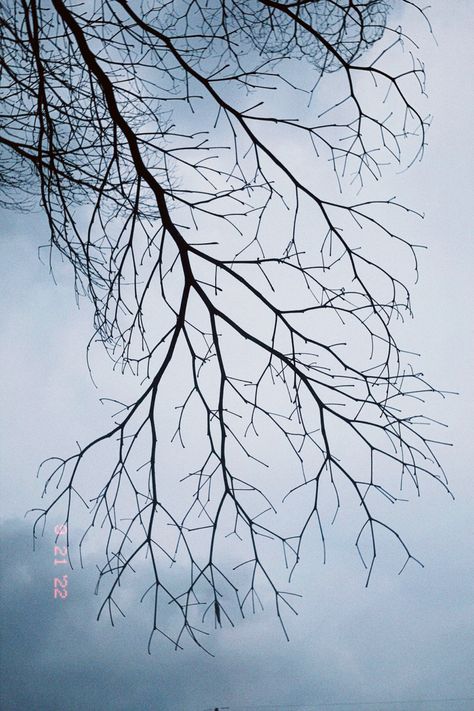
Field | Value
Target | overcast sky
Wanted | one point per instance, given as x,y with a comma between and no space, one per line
407,638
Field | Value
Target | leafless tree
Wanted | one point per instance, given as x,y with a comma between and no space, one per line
201,165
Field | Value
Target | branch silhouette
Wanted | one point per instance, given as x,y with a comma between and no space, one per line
199,165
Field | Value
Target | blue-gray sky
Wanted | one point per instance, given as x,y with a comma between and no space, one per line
407,637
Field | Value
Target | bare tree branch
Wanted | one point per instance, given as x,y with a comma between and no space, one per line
174,150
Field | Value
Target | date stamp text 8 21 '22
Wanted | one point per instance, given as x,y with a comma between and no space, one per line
60,584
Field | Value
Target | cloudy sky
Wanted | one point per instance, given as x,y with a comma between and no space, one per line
406,642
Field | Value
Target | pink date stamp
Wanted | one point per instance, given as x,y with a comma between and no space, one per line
60,584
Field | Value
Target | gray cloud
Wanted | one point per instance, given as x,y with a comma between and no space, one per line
403,638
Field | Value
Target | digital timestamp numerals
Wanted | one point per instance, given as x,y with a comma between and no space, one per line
60,584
